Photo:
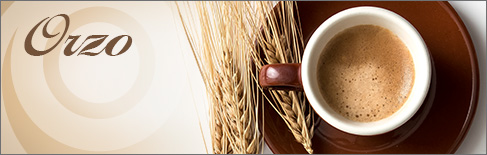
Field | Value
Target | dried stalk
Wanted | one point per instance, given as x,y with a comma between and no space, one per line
281,42
221,48
228,33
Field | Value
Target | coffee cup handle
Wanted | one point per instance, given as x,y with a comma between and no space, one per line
281,76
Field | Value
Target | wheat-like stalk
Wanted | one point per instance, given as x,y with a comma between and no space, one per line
281,42
223,37
219,37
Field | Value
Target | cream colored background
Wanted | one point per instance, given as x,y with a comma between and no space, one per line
165,119
97,118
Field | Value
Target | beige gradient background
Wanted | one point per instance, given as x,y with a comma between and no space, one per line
136,102
147,100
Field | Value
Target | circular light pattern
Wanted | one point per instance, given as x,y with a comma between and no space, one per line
130,98
47,115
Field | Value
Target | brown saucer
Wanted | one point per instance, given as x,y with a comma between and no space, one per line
443,120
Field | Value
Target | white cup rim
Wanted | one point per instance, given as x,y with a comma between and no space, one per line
409,35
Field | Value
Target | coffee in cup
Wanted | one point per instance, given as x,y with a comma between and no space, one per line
372,51
365,73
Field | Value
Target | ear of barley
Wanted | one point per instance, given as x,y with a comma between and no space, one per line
228,33
219,38
281,42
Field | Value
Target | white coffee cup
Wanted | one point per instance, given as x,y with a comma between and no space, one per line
306,72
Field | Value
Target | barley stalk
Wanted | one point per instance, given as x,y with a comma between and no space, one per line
221,48
281,42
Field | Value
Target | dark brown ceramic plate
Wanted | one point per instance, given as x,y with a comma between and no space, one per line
443,120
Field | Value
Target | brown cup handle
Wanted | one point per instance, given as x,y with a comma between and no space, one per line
281,76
